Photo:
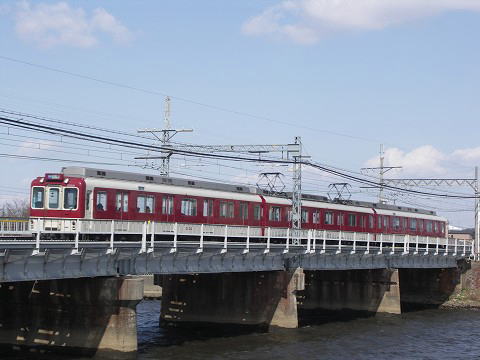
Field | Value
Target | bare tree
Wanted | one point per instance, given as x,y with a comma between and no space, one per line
15,208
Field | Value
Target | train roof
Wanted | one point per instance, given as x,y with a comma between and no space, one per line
84,172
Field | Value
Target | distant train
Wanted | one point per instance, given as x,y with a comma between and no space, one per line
85,193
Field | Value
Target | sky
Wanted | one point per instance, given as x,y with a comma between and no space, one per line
344,75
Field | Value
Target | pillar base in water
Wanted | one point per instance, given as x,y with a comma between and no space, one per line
255,298
83,316
373,291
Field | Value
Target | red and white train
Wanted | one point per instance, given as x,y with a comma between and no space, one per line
85,193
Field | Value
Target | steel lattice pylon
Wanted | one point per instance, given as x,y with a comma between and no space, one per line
473,183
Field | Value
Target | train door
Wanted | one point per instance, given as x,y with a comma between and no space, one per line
88,205
121,204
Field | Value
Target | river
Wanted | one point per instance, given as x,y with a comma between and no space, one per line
427,334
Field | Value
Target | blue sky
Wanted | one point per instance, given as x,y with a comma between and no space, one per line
403,73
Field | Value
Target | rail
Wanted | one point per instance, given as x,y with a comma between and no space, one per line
10,227
151,235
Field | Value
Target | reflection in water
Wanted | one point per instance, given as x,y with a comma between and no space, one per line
429,334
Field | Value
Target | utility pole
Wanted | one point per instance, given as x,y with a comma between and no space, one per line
382,170
477,216
292,152
297,192
166,134
473,183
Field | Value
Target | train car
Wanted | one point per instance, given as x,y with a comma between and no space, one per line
86,193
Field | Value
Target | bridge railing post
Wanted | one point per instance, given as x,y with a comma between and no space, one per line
392,251
314,244
380,251
436,246
464,248
446,246
152,237
37,238
144,238
416,245
324,242
354,249
427,246
287,243
339,250
175,238
225,241
112,237
267,250
200,245
77,238
247,245
309,238
455,247
367,251
406,243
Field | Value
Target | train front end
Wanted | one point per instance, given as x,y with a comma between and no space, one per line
57,202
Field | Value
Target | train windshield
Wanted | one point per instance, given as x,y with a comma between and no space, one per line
53,198
38,197
70,198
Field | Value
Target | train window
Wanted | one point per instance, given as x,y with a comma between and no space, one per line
379,221
226,209
275,213
362,221
289,215
257,212
405,223
435,226
328,218
370,221
385,222
442,228
420,225
340,219
70,196
141,203
352,220
243,211
304,216
413,224
189,207
53,198
428,226
121,203
208,207
101,201
396,223
150,204
38,194
316,217
167,205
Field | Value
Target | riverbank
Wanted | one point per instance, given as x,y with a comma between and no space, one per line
463,299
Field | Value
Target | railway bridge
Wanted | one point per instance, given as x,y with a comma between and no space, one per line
72,283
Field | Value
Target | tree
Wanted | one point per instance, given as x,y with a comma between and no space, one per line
15,208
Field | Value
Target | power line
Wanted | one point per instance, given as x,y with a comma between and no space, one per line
96,138
183,99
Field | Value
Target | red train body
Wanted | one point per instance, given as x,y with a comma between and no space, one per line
83,193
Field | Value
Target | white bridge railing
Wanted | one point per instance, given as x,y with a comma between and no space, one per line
12,226
151,234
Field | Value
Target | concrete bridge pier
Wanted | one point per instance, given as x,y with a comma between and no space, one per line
83,316
244,298
374,291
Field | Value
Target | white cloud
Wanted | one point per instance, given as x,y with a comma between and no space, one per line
430,162
49,25
306,21
424,160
